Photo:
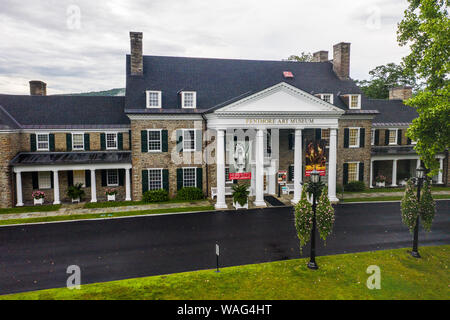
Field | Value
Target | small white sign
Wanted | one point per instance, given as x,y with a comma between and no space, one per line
217,249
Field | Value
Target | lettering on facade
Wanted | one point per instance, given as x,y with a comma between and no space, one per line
279,121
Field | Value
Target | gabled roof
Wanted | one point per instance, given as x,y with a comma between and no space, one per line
64,111
392,112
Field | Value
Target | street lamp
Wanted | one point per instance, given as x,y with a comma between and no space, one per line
314,186
420,175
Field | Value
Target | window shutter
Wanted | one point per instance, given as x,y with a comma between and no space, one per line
318,134
87,178
144,141
362,137
166,180
87,142
51,138
361,171
291,173
51,179
346,137
104,182
35,180
120,141
32,142
377,137
386,137
129,139
399,137
144,181
198,140
291,141
200,178
179,140
121,173
102,141
179,178
70,178
345,174
69,141
165,141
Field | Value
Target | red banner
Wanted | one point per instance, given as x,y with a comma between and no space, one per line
240,176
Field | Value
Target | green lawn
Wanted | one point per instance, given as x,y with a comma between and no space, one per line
339,277
53,207
375,190
390,198
105,215
110,204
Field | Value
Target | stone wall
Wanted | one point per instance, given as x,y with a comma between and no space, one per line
9,146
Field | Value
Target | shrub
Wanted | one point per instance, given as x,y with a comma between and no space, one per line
160,195
355,186
75,191
190,193
240,193
339,189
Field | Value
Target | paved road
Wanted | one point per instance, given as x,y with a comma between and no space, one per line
36,256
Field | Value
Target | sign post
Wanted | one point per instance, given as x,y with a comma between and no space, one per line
217,257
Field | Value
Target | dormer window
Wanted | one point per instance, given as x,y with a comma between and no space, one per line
354,101
327,97
153,99
188,99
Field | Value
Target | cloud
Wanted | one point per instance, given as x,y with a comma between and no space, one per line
80,45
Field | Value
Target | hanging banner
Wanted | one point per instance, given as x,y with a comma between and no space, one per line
316,157
240,176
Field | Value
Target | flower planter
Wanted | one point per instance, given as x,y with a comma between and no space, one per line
403,182
38,201
75,200
111,197
236,205
381,184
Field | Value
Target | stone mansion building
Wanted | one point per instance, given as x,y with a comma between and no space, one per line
181,120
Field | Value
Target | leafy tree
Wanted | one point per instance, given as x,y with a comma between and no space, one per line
303,57
426,28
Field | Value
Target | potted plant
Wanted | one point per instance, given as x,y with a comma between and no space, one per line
38,197
380,181
111,194
75,192
240,196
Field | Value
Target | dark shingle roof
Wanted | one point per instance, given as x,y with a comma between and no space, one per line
7,122
392,112
219,80
65,111
91,157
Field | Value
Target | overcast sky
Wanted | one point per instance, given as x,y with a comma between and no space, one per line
80,45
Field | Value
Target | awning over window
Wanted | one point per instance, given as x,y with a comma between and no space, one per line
61,158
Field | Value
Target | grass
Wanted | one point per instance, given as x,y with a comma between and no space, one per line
390,198
110,204
105,215
53,207
376,190
339,277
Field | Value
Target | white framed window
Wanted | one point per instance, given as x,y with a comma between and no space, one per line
112,177
327,97
111,140
77,141
155,179
45,179
189,140
353,141
190,177
42,142
154,140
153,99
353,171
354,101
188,99
79,176
372,137
393,135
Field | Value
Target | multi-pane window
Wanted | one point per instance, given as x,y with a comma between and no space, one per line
188,140
189,177
112,177
327,97
354,102
78,141
354,137
79,177
111,141
353,172
45,179
189,99
153,99
154,140
227,175
325,134
393,136
155,179
42,141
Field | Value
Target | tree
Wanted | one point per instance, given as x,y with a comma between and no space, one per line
426,28
384,77
303,57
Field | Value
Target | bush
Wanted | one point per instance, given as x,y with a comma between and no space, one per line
75,191
160,195
190,193
355,186
339,188
240,193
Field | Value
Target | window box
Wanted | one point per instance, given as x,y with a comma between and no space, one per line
380,184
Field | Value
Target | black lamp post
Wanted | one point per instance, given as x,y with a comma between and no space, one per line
420,174
314,187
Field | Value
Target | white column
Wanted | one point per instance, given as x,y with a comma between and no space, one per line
19,189
220,154
332,166
418,164
297,166
371,174
93,186
127,185
441,170
394,173
259,177
56,187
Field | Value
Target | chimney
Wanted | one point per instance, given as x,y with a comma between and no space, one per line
136,63
320,56
400,93
341,60
38,88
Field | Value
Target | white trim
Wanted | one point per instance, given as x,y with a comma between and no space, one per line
194,98
50,167
160,141
147,99
195,171
116,139
396,137
68,130
162,178
358,136
152,116
350,101
112,184
195,140
82,134
372,137
48,141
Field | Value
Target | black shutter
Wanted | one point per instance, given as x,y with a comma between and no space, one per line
70,178
345,174
51,179
129,139
144,181
87,178
166,180
200,178
144,141
102,141
32,142
291,141
361,171
51,138
291,173
318,134
362,137
165,141
69,141
346,137
87,142
399,137
120,141
121,173
35,180
377,137
386,137
104,183
179,178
